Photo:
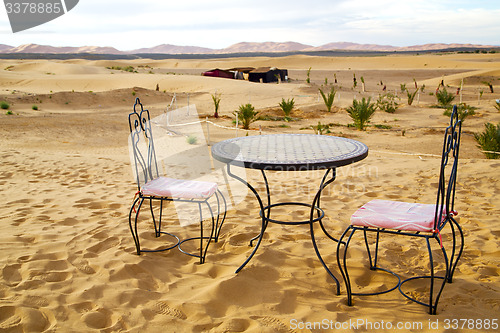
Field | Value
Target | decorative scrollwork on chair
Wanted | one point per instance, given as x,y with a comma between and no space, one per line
154,187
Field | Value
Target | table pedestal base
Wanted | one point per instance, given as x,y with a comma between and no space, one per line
316,215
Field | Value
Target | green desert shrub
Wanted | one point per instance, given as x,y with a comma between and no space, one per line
497,104
216,99
4,105
361,112
287,107
34,107
464,110
411,96
444,98
130,69
489,140
321,128
246,115
387,103
328,98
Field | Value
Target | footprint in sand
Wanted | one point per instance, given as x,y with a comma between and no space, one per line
11,274
9,320
235,325
22,319
162,308
273,323
82,265
98,319
50,276
35,301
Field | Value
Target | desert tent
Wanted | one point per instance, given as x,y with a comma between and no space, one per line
219,73
241,73
268,74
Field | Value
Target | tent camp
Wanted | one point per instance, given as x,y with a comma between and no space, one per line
261,74
268,74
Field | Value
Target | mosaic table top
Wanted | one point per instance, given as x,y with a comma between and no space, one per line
289,151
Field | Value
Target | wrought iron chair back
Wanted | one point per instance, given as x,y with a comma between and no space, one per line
142,143
445,203
146,172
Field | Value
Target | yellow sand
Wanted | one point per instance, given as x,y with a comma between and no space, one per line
68,260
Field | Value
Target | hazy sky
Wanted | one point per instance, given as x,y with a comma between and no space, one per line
132,24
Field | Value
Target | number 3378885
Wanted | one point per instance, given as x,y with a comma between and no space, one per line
33,8
472,324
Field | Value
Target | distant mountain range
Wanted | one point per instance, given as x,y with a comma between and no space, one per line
244,47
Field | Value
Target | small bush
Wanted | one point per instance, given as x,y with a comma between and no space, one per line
126,69
192,139
411,96
380,126
287,107
9,112
320,128
216,99
463,110
497,104
444,98
328,99
4,105
489,86
489,140
387,103
34,107
361,112
246,115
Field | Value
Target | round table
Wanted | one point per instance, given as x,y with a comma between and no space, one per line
290,152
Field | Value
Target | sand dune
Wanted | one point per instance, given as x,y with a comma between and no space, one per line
68,260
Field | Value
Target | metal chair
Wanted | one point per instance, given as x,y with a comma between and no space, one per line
153,187
423,221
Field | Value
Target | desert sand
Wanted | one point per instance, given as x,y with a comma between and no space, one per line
68,260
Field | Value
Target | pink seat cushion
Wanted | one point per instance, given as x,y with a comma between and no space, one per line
178,188
395,215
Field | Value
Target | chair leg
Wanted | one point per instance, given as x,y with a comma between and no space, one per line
133,229
343,265
157,231
454,261
220,221
159,220
202,259
203,251
446,277
433,301
373,263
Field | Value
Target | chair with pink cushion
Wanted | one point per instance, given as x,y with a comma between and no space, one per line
427,222
155,188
